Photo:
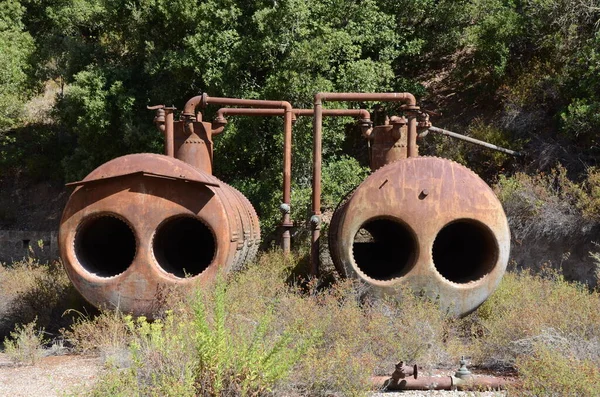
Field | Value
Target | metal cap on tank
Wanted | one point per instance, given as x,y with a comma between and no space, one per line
427,223
143,222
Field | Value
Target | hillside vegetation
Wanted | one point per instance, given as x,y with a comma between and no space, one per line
77,76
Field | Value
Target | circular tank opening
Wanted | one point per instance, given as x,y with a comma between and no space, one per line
384,249
465,250
184,246
105,245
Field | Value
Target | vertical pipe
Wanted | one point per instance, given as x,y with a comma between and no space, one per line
316,185
287,179
169,135
204,100
287,155
404,97
412,149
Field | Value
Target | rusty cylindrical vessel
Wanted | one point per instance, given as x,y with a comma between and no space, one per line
144,222
426,223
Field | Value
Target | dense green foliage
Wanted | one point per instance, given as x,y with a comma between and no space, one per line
16,45
520,72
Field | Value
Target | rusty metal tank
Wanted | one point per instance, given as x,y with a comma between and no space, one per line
142,223
426,223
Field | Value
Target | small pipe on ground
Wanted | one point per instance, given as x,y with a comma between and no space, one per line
462,379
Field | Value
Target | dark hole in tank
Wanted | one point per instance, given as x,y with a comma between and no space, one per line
184,246
105,245
384,249
464,251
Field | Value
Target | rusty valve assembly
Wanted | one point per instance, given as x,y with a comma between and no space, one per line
144,222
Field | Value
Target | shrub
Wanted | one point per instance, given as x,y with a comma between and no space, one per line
549,372
557,312
294,339
108,334
25,345
550,205
30,290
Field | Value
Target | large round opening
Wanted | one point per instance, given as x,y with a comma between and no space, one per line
105,245
384,249
184,246
465,250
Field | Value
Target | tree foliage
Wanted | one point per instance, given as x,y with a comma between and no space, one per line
113,58
16,45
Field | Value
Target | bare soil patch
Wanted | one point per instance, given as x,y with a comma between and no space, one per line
51,376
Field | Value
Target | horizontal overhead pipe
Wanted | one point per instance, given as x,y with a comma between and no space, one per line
364,115
474,141
405,98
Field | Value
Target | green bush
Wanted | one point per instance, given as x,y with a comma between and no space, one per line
16,45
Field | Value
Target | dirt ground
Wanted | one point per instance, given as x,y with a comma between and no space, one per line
51,376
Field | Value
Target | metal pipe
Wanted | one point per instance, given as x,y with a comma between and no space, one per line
221,113
169,132
203,100
406,98
412,148
473,140
446,382
287,178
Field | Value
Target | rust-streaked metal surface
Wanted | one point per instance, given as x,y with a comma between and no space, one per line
406,204
144,204
389,143
194,146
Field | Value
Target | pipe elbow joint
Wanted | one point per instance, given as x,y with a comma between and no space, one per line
189,109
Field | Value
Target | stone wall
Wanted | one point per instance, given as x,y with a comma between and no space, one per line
16,245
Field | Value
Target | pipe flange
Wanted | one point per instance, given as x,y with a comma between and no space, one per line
285,208
315,221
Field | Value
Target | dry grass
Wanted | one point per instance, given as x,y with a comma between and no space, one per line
262,332
25,346
528,310
549,372
30,290
551,206
330,341
267,331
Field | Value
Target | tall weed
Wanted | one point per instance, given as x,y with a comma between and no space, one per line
25,344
